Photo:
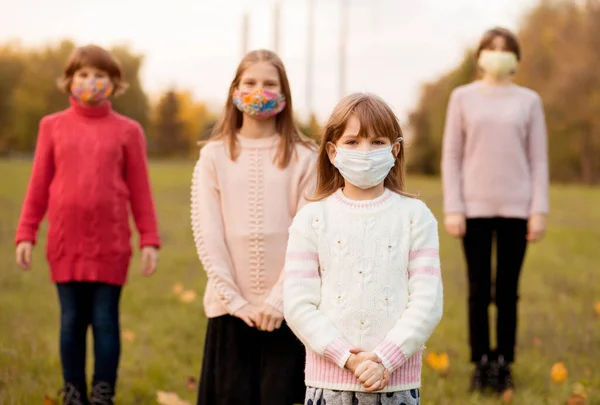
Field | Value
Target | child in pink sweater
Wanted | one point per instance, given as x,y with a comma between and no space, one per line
251,179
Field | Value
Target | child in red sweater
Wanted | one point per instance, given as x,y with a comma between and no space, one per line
89,165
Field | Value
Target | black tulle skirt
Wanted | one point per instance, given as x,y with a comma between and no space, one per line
244,366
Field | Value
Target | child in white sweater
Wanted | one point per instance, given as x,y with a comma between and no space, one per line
363,288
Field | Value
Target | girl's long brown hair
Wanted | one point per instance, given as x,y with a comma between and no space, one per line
375,117
231,119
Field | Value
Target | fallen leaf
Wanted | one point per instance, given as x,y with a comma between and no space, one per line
128,335
537,341
440,363
507,396
192,384
178,288
575,400
188,296
49,400
559,373
597,308
169,398
579,390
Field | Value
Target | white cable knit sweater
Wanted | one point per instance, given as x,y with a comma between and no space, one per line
367,274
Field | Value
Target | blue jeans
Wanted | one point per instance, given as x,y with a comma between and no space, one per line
82,304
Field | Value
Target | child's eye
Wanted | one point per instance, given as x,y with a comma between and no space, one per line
351,142
379,143
249,83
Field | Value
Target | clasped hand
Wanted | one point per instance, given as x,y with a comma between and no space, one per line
265,317
369,370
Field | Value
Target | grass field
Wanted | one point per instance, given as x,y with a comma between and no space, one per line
165,336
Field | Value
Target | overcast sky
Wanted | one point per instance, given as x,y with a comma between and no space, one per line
393,45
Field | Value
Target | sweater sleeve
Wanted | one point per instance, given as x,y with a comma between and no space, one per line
302,292
305,189
209,235
425,296
38,189
452,155
140,192
538,159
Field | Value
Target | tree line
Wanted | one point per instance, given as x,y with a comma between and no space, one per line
560,43
174,123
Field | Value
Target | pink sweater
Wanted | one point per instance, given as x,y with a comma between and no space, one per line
495,159
241,212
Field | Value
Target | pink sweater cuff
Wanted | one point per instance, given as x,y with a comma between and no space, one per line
338,352
391,355
276,303
234,304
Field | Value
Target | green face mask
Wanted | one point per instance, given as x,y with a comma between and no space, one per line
498,63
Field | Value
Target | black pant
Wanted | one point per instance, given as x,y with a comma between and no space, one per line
245,366
511,243
82,304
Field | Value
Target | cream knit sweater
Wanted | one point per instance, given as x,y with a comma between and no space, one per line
366,274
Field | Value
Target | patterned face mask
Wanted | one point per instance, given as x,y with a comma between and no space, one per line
92,90
259,103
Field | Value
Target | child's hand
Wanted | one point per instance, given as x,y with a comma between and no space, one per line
536,227
268,318
371,375
23,254
357,357
455,224
248,313
149,260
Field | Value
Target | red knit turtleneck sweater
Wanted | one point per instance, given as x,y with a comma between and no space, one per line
90,164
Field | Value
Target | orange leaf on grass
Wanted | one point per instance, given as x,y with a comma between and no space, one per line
559,373
439,362
597,308
49,401
576,400
507,396
178,288
188,296
128,335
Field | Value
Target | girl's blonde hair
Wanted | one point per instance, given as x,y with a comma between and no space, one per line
231,119
375,117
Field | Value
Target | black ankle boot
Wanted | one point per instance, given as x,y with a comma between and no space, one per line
479,380
503,376
102,394
71,395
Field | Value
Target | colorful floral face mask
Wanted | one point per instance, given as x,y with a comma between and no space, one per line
92,90
259,103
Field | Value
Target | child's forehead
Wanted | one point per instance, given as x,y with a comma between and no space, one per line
91,69
353,129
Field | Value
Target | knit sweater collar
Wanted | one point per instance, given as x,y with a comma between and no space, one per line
88,111
361,205
258,143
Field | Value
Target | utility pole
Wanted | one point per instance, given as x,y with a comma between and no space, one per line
245,32
344,14
276,26
310,60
